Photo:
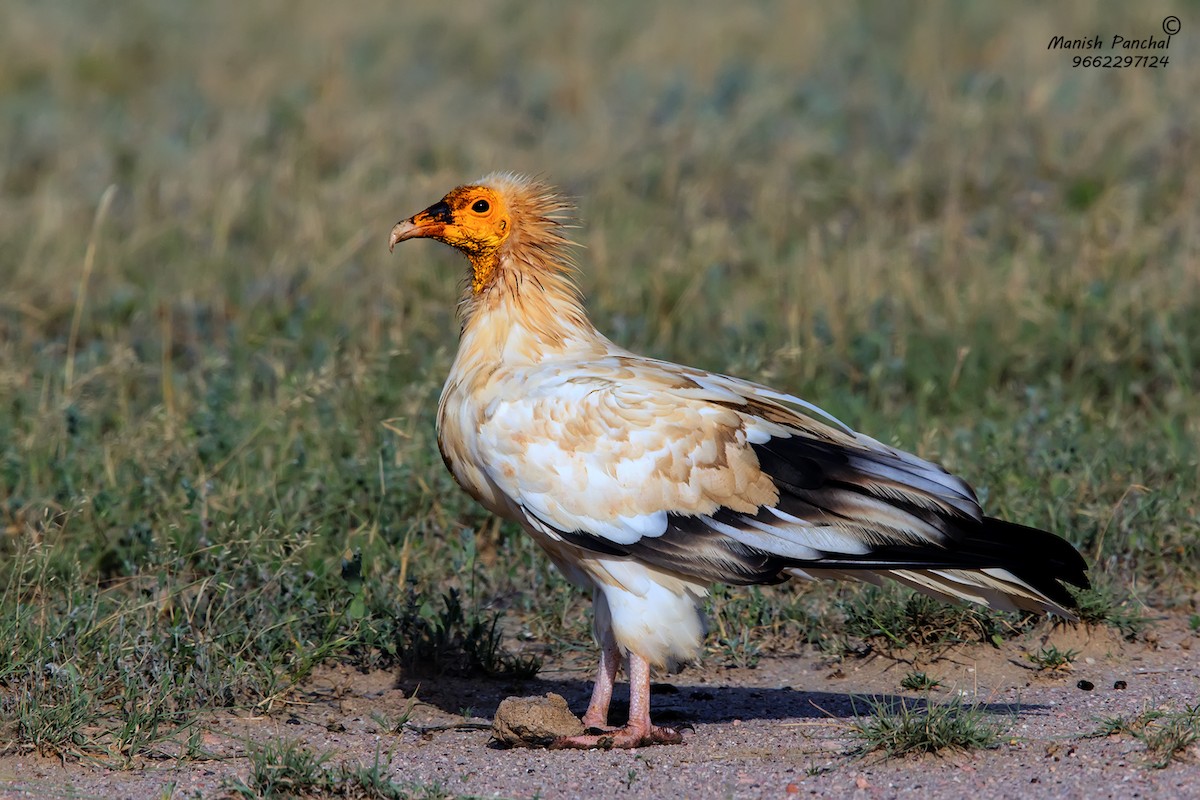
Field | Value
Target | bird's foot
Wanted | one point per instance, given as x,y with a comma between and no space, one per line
619,739
597,724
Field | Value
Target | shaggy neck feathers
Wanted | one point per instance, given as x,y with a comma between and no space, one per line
527,283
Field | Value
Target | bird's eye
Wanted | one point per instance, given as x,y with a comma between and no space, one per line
480,207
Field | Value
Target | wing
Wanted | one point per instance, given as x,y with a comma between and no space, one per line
727,481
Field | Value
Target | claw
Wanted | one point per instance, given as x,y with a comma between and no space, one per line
625,738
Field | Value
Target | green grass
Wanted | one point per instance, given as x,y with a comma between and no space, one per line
1167,735
281,769
217,461
1051,659
446,641
747,623
893,619
899,729
1106,604
919,681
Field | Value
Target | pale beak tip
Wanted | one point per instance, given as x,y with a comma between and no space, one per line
403,230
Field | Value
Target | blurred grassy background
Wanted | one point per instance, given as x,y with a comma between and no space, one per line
913,215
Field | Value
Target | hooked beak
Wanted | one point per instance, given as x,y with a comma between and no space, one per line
407,229
429,224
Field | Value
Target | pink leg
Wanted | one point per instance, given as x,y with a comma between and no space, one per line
638,732
606,675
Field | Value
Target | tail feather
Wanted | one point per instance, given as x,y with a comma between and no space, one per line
1000,564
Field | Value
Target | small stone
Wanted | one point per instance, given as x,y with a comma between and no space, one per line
534,721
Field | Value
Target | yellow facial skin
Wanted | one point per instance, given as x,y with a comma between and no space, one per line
472,219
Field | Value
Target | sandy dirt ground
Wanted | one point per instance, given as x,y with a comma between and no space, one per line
779,730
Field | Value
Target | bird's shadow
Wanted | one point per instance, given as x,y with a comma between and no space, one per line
681,702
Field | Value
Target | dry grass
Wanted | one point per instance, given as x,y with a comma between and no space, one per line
919,218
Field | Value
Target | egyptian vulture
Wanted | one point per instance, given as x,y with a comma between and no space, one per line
646,481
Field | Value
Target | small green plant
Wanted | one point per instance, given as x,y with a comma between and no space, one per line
741,650
282,769
1051,659
1166,735
919,682
898,729
289,769
370,782
1100,605
395,724
1170,737
1108,726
